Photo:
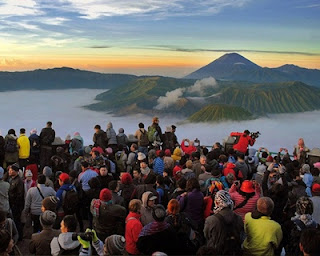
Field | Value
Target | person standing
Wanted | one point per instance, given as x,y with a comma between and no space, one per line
47,137
34,145
24,148
143,141
4,193
2,143
100,138
16,197
112,137
11,155
244,140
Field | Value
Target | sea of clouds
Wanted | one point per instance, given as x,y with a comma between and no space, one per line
32,109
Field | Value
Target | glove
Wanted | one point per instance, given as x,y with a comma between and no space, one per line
95,237
85,244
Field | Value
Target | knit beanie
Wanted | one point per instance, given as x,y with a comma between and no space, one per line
126,178
167,152
48,218
50,203
105,195
15,167
47,171
115,244
304,205
159,213
222,199
261,169
141,156
305,168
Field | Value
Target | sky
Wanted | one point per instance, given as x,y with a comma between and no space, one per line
171,38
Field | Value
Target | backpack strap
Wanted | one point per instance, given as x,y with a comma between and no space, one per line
243,203
40,192
131,218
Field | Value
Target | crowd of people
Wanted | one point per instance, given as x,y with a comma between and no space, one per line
151,194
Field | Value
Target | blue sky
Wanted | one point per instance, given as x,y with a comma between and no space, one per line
152,37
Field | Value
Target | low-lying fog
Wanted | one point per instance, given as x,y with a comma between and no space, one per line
32,109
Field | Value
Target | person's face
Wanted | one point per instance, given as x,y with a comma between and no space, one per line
29,178
43,209
96,130
63,228
60,182
273,177
12,173
136,174
143,165
203,161
132,148
2,224
165,174
151,203
103,171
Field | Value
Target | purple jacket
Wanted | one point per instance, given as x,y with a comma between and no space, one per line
192,205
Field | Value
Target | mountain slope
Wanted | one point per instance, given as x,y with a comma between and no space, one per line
61,78
288,97
220,112
235,67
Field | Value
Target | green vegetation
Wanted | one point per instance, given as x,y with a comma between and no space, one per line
220,112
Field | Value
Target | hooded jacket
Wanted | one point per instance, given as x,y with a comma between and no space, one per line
146,211
176,156
24,146
100,139
133,229
14,156
111,135
66,243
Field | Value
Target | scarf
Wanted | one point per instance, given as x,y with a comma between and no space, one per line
95,206
153,228
306,219
222,200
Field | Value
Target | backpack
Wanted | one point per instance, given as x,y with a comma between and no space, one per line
165,197
152,134
119,162
74,251
144,138
35,144
230,240
11,146
71,202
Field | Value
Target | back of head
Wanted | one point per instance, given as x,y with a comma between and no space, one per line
173,207
98,127
113,185
135,205
50,203
114,245
22,131
48,218
310,241
159,213
70,223
141,125
5,239
41,179
49,124
304,205
192,184
265,206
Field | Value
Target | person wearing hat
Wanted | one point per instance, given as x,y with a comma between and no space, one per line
315,190
158,235
34,199
245,199
28,182
76,143
16,196
258,176
4,193
307,178
263,234
148,202
108,218
126,188
302,220
122,138
49,203
40,242
168,139
34,145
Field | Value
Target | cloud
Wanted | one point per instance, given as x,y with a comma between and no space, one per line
172,97
100,46
93,9
18,8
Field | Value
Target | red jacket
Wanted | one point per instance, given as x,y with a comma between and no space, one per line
243,142
230,169
133,229
188,149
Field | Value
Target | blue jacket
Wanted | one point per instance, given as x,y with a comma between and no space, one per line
158,166
59,194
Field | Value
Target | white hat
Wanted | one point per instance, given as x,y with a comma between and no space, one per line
141,156
261,168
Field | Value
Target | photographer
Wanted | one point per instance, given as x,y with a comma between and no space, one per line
244,140
64,244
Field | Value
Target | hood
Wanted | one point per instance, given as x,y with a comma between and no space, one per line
109,125
144,198
11,136
186,170
227,214
100,132
120,134
133,215
67,187
177,152
78,137
252,152
65,240
230,166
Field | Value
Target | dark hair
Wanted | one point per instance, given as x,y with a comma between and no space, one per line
264,154
41,179
160,180
73,174
96,152
205,151
310,240
223,158
85,164
230,151
120,147
134,145
49,123
70,223
315,171
94,183
22,130
161,154
113,185
12,131
240,155
192,184
181,183
141,125
97,127
295,174
3,216
206,250
137,170
5,239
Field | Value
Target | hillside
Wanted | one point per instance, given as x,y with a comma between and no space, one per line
220,112
60,78
141,92
234,67
288,97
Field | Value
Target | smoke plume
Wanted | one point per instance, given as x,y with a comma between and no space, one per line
200,85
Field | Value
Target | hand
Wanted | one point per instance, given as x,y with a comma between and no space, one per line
85,244
95,237
285,150
270,168
281,149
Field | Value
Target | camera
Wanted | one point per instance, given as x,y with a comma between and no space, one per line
255,135
87,236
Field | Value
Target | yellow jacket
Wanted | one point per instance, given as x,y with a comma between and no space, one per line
24,146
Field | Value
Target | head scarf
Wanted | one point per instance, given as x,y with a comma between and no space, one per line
222,200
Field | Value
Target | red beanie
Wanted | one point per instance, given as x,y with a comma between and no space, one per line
105,195
167,152
126,178
64,177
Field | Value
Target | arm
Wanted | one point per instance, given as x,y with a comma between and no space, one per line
32,246
265,183
236,134
98,245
